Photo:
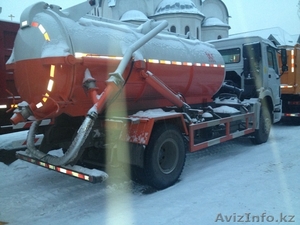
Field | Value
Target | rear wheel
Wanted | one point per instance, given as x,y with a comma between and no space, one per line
261,135
164,157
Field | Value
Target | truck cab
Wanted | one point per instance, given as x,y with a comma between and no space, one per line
252,65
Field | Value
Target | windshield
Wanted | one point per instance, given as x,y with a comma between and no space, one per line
232,55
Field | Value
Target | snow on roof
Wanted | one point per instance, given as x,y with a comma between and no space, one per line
212,21
179,6
134,15
8,21
296,38
275,34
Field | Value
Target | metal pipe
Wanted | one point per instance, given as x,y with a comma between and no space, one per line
162,88
72,151
116,76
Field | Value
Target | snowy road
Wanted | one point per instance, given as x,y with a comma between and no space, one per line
231,183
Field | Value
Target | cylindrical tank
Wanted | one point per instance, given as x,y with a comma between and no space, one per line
47,80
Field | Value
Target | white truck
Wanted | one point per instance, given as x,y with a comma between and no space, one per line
251,64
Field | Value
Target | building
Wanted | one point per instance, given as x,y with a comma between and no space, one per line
216,24
196,19
203,20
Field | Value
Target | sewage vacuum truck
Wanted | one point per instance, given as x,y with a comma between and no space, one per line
125,95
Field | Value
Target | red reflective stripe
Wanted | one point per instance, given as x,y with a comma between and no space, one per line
34,24
27,125
35,141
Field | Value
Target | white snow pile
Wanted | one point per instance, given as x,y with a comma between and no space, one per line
226,109
153,113
9,141
16,140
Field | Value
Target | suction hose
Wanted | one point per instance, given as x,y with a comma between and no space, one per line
72,151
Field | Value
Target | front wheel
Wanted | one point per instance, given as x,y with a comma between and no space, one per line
164,157
261,135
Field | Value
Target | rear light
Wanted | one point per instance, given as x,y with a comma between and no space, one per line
293,102
291,114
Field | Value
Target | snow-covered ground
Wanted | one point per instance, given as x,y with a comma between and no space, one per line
231,183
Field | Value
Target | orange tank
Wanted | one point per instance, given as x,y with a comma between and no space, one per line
52,53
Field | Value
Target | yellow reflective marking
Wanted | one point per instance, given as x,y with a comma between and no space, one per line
52,70
176,63
75,174
187,64
165,61
45,98
153,61
51,167
46,36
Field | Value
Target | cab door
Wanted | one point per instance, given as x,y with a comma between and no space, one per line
271,76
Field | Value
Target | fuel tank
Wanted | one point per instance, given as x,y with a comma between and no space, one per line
52,52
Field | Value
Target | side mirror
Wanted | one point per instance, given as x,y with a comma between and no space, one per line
284,66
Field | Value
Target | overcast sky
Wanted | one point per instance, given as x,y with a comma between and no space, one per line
246,15
249,15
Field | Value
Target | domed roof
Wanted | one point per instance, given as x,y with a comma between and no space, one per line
177,6
134,15
212,21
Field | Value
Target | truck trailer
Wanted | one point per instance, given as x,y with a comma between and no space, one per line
133,96
9,97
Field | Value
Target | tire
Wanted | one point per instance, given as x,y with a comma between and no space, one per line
137,174
164,157
261,135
